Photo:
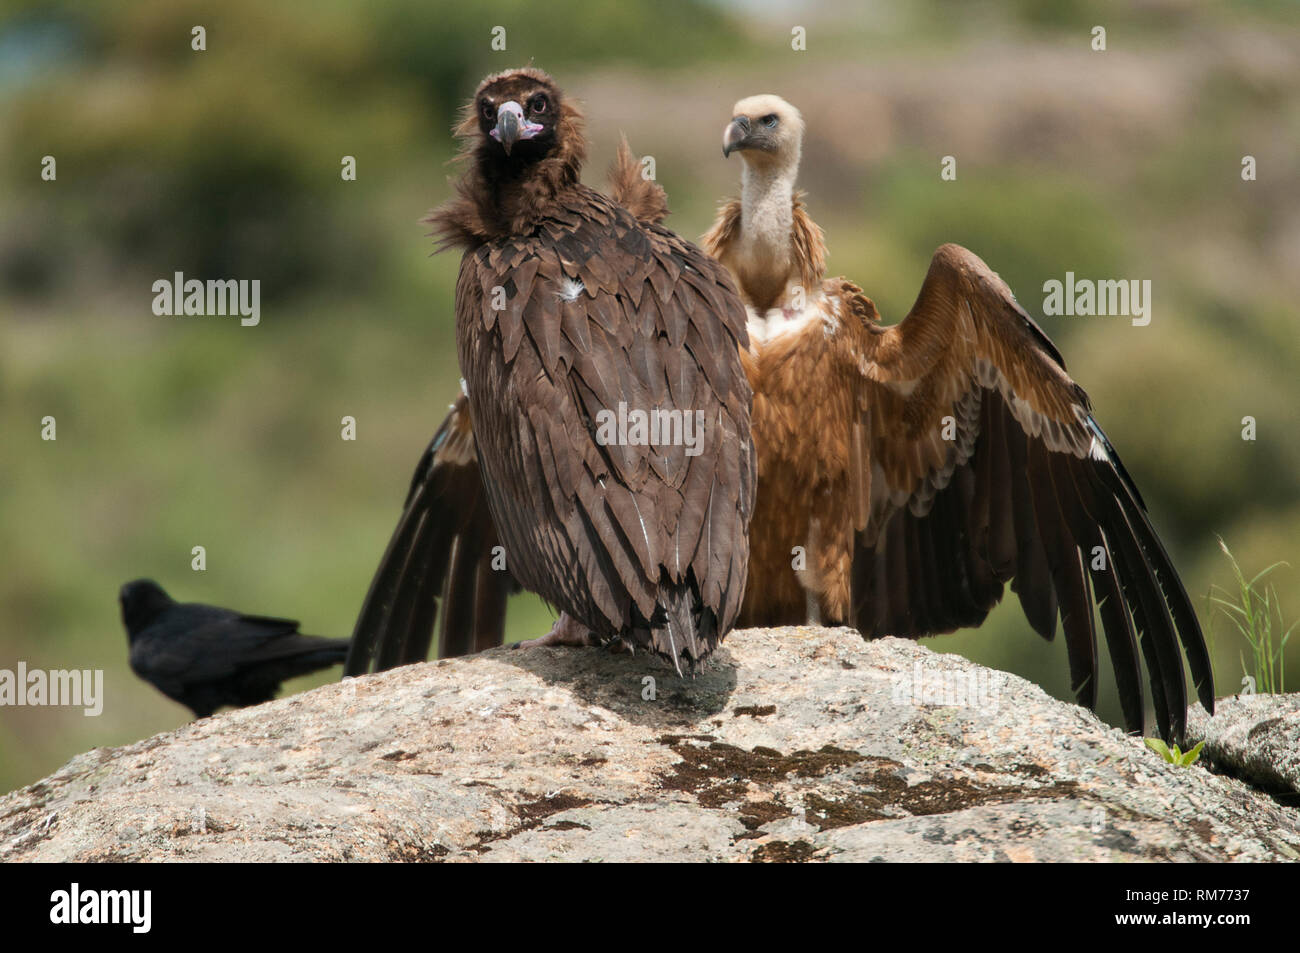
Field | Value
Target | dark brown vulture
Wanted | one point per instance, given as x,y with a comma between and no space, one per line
573,317
920,467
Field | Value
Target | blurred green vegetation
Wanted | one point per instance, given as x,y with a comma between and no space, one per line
176,432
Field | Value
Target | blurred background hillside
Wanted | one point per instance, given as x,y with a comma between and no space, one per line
177,432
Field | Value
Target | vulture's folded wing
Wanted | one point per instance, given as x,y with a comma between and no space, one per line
978,462
628,478
441,552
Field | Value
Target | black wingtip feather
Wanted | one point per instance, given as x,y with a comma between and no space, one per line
1066,568
1077,492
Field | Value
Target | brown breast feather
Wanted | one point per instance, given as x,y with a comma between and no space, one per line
602,309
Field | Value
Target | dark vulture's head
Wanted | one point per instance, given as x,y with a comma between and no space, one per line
523,143
519,118
765,130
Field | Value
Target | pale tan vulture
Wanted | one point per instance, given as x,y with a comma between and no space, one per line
917,468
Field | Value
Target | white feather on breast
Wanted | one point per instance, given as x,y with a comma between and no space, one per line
779,322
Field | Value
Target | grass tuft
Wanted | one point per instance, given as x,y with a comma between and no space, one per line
1254,610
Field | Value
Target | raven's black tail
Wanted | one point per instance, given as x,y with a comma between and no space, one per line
312,653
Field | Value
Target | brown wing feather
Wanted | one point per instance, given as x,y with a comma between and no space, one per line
981,463
441,551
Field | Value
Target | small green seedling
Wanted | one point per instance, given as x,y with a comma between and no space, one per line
1173,755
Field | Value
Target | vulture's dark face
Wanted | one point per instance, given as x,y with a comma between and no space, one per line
763,128
519,113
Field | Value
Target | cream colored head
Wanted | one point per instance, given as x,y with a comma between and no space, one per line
766,131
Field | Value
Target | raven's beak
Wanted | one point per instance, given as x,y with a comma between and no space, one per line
734,135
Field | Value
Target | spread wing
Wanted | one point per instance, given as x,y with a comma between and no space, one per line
603,317
440,556
978,462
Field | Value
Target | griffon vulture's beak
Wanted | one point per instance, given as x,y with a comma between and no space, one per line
734,135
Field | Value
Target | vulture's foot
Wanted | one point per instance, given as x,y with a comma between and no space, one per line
566,631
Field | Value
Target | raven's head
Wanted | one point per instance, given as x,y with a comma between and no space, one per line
141,600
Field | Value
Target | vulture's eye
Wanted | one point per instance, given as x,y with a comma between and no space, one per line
487,110
769,120
538,104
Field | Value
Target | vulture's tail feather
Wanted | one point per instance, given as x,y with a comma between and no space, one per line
684,630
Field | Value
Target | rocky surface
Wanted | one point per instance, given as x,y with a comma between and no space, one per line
1255,738
798,744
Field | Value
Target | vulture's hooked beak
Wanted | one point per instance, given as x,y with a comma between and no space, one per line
512,126
735,135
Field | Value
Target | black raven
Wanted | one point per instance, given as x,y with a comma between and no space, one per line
205,657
